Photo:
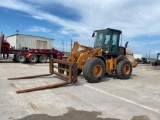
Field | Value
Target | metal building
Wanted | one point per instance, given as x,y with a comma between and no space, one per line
18,41
138,56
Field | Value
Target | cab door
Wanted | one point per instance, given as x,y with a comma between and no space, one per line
115,43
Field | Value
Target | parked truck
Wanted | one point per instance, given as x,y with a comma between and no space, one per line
27,54
144,60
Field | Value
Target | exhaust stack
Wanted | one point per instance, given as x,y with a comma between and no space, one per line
126,44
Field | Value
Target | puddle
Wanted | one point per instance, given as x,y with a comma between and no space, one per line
74,114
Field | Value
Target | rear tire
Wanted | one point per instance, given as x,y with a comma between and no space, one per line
21,58
42,59
153,64
124,69
94,70
33,59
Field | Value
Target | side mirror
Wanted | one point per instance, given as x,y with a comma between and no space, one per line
93,34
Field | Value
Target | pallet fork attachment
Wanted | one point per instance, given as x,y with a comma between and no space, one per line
66,70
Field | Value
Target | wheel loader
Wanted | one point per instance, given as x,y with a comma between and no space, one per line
107,56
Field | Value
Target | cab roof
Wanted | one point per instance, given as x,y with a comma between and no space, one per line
110,29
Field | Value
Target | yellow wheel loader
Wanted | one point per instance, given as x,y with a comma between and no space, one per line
107,56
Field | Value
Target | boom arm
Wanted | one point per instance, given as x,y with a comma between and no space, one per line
80,56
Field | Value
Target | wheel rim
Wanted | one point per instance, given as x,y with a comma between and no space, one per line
97,70
21,58
33,59
126,69
43,59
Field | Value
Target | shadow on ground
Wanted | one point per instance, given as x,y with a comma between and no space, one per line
73,114
5,61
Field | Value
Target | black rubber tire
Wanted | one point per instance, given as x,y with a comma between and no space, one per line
21,58
79,71
33,59
120,72
52,56
88,70
153,64
42,59
14,58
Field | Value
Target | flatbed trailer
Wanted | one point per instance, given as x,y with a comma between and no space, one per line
28,55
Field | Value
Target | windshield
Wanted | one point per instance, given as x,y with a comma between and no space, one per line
108,40
102,39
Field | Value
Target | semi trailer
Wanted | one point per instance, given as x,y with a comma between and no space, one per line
27,54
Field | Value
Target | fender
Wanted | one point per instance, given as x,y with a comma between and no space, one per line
102,58
87,55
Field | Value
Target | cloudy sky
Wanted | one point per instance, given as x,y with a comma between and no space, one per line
76,19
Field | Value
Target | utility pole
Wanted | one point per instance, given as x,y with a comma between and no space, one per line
146,55
17,40
71,44
149,54
63,46
17,31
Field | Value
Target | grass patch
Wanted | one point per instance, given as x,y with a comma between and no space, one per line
67,54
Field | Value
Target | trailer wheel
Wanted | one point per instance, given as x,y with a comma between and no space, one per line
94,70
33,59
124,69
52,56
42,59
21,58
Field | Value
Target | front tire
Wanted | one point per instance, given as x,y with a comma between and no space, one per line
94,70
124,69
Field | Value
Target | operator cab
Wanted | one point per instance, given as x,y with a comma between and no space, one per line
108,39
